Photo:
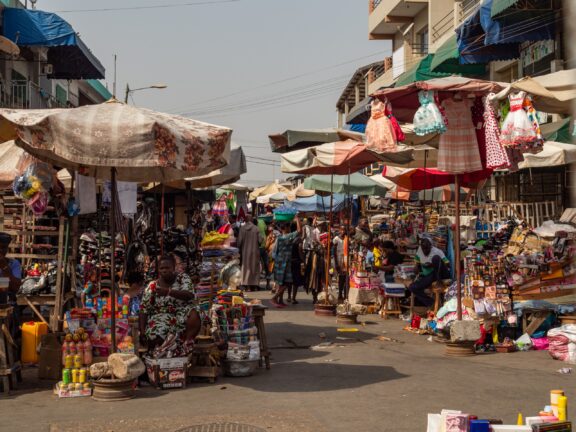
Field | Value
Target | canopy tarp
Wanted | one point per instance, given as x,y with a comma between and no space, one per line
560,131
552,154
405,101
482,39
317,203
300,192
355,184
419,72
340,157
298,139
69,56
447,59
551,93
142,145
10,155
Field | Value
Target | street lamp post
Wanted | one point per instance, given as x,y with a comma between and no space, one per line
129,90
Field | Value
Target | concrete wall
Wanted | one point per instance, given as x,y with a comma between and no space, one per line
437,11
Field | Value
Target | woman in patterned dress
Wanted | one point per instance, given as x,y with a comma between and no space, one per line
168,306
283,261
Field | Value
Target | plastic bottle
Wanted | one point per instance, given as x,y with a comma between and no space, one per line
562,408
88,358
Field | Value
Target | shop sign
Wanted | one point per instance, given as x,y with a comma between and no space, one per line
531,53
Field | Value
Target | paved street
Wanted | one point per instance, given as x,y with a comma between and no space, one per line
358,383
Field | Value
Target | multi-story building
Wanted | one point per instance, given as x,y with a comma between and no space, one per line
51,66
431,38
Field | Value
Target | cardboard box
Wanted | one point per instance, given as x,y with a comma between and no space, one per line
50,364
167,373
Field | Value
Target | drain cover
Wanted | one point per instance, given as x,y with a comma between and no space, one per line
222,427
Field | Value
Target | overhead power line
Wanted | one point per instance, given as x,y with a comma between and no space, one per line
164,6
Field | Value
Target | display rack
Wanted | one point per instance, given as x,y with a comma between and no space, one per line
18,221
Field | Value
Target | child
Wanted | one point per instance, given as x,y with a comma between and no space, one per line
135,290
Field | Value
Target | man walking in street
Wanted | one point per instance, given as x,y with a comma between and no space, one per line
248,243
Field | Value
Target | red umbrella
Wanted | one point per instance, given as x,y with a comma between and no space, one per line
415,179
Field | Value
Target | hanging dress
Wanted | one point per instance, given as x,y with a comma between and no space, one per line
380,134
458,152
398,133
496,157
537,145
428,118
517,129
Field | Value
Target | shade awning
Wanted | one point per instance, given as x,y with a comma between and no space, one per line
67,53
499,6
419,72
317,203
354,184
482,39
447,59
294,139
552,154
559,131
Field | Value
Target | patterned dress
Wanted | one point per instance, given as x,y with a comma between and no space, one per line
166,315
496,157
458,152
283,258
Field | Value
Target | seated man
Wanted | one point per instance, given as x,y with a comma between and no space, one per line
390,259
434,266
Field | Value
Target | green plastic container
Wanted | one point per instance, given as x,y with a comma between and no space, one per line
266,218
284,217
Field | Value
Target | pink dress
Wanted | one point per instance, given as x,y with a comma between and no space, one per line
380,134
496,157
517,129
458,152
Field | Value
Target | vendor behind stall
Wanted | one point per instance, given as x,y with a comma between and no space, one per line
168,307
434,266
390,258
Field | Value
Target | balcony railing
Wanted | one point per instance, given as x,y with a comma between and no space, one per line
20,94
443,26
467,7
420,49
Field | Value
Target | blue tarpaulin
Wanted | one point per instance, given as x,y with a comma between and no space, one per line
69,56
317,203
482,39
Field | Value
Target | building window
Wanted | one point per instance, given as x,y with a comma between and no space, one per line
61,95
423,41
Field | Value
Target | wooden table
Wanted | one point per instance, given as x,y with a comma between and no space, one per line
258,312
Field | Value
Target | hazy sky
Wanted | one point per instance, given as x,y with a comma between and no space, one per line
222,60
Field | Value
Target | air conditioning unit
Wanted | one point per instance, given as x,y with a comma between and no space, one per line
47,69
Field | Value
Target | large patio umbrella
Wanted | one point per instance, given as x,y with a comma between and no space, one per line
443,194
355,184
117,141
228,174
341,157
552,154
269,189
294,139
416,179
142,145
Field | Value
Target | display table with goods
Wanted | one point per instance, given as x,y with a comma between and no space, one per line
552,418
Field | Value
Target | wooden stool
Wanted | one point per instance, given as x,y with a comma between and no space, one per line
391,307
258,313
438,289
205,359
10,368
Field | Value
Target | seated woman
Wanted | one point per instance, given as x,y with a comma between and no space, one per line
168,307
434,266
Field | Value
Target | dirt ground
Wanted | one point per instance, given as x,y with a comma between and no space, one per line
357,383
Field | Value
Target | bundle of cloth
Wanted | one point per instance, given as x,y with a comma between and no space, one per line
562,342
